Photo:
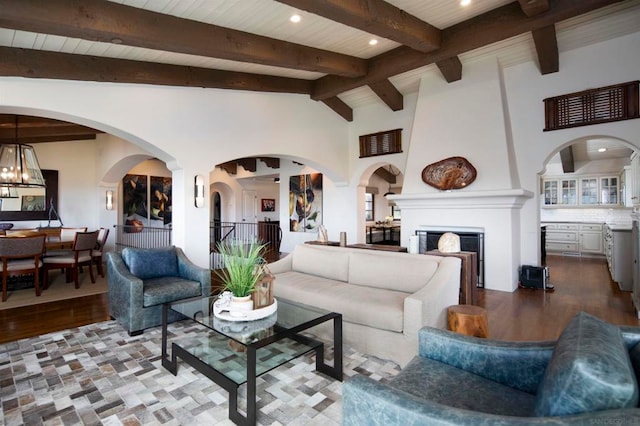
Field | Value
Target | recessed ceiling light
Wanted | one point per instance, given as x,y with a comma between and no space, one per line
295,18
373,42
602,149
465,3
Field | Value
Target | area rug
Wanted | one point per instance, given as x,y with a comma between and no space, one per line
58,290
99,375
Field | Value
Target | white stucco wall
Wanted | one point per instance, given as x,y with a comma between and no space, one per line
193,129
603,64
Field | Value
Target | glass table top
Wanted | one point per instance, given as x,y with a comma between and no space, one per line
222,344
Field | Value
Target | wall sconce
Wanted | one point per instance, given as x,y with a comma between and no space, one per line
109,200
198,191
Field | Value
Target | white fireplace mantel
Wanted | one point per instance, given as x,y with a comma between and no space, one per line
499,199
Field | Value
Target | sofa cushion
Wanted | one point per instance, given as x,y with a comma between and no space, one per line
373,307
436,381
332,264
590,370
403,272
157,291
151,263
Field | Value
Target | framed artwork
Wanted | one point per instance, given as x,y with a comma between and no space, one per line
268,205
147,199
32,203
160,199
305,202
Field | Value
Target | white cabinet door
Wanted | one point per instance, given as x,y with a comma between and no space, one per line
609,186
591,242
589,191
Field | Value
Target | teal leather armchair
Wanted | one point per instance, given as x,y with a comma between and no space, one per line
588,376
140,281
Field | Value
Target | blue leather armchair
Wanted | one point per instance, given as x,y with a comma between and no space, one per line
140,281
588,376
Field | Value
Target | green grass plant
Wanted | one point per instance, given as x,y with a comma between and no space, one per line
241,266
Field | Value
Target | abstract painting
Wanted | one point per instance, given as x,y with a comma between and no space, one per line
305,202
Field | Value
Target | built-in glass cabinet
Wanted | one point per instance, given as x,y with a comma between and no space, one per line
581,191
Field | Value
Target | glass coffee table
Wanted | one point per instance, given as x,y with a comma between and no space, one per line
232,353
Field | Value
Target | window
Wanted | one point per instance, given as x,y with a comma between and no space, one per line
368,206
602,105
387,142
395,212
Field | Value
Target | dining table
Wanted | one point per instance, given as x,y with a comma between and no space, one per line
52,242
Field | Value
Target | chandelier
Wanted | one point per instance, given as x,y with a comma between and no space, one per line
19,165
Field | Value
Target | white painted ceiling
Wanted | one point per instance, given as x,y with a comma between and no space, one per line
270,18
588,150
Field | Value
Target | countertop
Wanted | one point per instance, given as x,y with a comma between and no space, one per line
619,226
615,226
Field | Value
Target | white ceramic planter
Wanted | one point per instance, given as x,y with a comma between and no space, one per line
242,304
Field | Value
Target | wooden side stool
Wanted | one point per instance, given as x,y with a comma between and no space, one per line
468,319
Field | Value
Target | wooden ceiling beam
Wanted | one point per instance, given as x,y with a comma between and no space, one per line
491,27
230,167
250,164
376,17
385,174
450,68
341,108
547,49
534,7
27,132
566,158
105,21
49,138
42,64
387,92
271,162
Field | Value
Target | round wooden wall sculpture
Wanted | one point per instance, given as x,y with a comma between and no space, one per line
450,173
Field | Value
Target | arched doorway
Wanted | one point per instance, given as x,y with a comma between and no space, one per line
586,184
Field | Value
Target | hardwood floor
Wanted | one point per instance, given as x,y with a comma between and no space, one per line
581,284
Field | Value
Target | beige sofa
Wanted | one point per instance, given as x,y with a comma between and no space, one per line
384,297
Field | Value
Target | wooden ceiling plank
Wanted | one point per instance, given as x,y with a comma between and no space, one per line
547,49
388,93
376,17
42,64
105,21
450,68
566,157
341,108
534,7
493,26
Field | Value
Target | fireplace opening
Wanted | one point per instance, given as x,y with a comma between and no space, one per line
469,241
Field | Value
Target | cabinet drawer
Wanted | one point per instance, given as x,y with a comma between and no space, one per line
591,227
571,247
562,236
567,226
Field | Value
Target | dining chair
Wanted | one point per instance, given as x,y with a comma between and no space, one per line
21,256
83,244
96,254
67,234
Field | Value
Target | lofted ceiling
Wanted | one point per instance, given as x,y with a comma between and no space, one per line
252,45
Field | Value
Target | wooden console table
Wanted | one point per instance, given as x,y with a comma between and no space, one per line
468,275
379,247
